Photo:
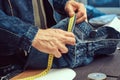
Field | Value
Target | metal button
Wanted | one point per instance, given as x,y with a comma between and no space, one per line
97,76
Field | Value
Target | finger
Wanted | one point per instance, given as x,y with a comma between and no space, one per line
79,14
83,18
66,33
69,34
70,11
57,54
69,8
69,40
54,50
61,46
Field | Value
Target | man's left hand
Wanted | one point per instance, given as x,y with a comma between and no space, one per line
73,7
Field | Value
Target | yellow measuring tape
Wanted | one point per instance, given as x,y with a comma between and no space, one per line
71,23
50,58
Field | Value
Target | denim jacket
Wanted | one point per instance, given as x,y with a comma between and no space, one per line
89,43
17,17
18,31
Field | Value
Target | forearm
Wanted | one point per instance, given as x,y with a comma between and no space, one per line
21,32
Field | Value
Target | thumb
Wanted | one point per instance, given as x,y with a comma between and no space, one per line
70,11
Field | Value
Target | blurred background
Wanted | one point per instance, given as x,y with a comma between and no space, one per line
105,6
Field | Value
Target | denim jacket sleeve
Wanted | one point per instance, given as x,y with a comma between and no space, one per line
25,32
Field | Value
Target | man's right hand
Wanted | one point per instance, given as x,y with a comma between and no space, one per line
53,41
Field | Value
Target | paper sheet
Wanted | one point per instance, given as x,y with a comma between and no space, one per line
115,23
59,74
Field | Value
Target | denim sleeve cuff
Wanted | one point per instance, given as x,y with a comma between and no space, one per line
26,40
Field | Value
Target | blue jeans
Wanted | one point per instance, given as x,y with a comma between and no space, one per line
89,43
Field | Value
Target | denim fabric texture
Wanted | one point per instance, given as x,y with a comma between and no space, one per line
21,23
10,70
93,12
17,32
104,41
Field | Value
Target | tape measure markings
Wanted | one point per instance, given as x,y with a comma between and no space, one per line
71,23
50,58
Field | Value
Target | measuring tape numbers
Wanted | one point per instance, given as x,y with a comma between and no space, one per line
50,58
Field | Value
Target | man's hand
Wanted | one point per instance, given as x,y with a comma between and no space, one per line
53,41
73,7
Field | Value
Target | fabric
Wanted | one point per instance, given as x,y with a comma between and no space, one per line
102,20
93,12
17,30
104,42
39,14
